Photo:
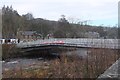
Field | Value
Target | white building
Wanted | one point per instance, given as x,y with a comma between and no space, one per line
8,41
92,35
2,41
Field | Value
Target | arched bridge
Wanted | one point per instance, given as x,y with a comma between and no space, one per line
68,42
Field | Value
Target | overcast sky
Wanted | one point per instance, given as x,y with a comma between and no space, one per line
98,11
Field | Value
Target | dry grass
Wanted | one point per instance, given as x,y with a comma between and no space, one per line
9,51
97,61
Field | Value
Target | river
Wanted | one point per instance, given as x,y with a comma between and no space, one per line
30,61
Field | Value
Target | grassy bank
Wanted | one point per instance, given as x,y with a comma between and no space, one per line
97,61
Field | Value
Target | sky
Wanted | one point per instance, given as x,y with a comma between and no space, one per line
97,12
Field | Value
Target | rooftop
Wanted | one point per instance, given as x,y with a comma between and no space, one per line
28,32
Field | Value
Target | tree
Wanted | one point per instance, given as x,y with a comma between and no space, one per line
63,28
28,16
10,22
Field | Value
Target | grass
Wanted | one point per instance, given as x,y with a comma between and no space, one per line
97,61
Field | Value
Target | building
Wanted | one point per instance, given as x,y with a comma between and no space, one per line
28,35
92,35
9,41
2,41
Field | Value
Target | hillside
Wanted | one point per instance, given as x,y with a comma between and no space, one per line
13,22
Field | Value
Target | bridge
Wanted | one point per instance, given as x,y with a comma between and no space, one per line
68,42
111,72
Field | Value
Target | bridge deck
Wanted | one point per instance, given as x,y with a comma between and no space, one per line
93,43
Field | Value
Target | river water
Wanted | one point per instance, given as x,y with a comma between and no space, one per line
29,61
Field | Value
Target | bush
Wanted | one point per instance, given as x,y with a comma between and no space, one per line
9,51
